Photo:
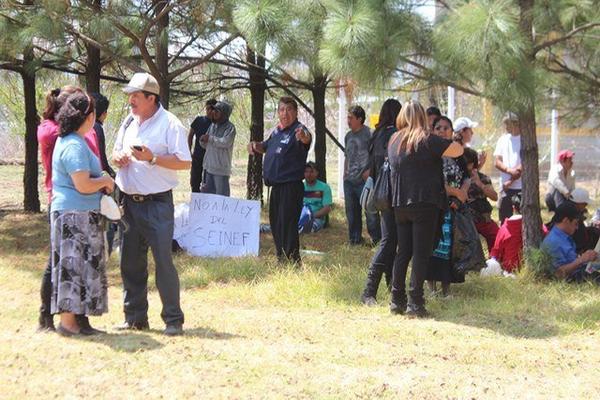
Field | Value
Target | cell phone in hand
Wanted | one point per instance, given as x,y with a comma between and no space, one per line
137,147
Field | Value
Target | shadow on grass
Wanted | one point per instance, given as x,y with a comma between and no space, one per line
521,308
130,342
209,333
23,233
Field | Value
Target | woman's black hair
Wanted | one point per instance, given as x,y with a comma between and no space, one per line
74,111
471,156
101,103
433,110
388,113
443,118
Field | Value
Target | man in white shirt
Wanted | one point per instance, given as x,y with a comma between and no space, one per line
507,159
151,146
561,180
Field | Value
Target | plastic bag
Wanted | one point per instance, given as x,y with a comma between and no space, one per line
467,253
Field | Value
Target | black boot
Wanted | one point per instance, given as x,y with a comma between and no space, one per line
398,304
85,328
46,323
369,295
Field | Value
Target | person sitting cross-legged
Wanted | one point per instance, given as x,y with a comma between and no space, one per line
317,201
566,263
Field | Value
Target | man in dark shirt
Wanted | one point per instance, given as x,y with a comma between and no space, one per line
285,158
198,128
102,104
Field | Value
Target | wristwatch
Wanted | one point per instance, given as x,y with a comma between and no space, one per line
153,161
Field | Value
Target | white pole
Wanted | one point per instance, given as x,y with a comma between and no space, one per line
341,134
553,136
451,107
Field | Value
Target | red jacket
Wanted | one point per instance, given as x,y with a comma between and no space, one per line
47,133
508,246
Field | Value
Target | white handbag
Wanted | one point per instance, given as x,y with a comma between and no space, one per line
109,208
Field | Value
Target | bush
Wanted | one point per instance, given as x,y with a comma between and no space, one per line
537,264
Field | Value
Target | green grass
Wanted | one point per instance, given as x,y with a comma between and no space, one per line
256,329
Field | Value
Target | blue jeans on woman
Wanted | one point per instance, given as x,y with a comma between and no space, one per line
352,193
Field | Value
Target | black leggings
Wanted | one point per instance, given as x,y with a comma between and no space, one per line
417,227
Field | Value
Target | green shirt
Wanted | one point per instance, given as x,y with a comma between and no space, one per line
317,196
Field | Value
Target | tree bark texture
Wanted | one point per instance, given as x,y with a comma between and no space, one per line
318,92
257,75
93,66
530,205
162,53
31,199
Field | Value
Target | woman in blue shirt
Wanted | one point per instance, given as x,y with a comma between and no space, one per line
79,285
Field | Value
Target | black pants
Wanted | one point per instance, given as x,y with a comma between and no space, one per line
151,225
196,171
383,260
284,212
505,209
417,228
46,288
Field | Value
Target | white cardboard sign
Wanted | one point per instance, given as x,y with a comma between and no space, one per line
218,226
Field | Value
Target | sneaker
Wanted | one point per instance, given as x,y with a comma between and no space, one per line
416,311
133,326
368,301
173,330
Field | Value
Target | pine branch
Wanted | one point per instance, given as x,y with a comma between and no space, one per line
567,36
204,59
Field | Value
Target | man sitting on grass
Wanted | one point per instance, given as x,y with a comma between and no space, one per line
317,201
559,244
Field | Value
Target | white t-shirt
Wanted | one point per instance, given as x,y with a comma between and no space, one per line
163,134
509,148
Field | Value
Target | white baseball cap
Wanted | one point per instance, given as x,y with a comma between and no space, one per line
464,122
580,196
142,81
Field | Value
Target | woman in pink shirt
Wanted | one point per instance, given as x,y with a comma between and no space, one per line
47,133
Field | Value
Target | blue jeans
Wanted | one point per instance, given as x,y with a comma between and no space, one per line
215,184
352,193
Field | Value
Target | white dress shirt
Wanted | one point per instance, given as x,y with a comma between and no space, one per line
163,134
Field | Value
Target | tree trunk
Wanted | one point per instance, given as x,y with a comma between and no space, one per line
162,52
92,65
92,69
318,92
31,199
530,206
257,75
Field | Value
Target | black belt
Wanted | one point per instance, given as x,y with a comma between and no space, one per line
140,198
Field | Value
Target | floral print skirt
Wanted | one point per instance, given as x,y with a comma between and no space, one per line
79,282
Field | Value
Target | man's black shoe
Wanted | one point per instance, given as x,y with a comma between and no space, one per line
133,326
369,301
416,311
46,323
397,308
173,330
85,328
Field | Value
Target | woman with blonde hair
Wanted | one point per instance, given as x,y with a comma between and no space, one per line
418,199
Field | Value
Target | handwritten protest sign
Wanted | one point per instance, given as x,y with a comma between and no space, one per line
218,226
